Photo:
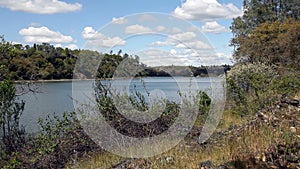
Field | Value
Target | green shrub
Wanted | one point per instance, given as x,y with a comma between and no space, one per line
204,102
250,86
12,135
287,83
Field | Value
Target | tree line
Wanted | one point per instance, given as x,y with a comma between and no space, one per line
46,62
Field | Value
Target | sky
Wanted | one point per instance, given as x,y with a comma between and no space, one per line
160,32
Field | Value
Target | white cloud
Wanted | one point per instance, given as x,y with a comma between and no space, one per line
187,40
90,33
137,29
120,20
155,57
173,51
213,27
160,43
184,57
224,58
161,28
44,35
98,39
183,37
176,30
195,45
58,45
40,6
72,46
207,10
184,40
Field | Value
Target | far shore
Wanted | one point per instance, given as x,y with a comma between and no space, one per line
70,80
50,80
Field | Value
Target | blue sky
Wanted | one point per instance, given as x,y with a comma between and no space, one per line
179,32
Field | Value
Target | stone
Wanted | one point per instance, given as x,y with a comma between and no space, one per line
232,127
281,149
293,129
297,145
206,164
262,116
277,162
291,158
293,102
221,167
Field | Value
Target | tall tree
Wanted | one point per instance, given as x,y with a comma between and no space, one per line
257,12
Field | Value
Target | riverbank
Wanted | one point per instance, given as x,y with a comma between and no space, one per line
239,142
268,139
51,80
78,80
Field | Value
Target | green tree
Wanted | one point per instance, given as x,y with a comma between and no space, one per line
272,43
257,12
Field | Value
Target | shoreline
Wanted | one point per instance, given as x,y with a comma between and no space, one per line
70,80
50,80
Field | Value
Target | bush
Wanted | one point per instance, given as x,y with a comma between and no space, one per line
254,86
204,103
12,135
61,139
250,86
288,83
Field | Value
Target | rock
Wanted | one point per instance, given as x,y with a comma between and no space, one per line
168,159
262,116
264,158
281,149
123,164
293,166
277,162
291,158
297,145
206,164
293,102
293,129
221,167
232,127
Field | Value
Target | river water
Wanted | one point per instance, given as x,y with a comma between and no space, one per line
59,97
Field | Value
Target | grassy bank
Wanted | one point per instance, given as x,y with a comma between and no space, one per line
239,142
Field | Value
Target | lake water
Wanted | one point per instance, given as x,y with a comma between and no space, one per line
58,97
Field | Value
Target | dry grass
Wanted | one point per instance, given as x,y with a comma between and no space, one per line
250,142
229,119
297,95
96,160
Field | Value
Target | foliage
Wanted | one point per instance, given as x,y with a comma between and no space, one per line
255,86
61,139
41,61
109,107
267,40
288,83
267,32
257,12
12,136
44,61
250,86
204,102
272,43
